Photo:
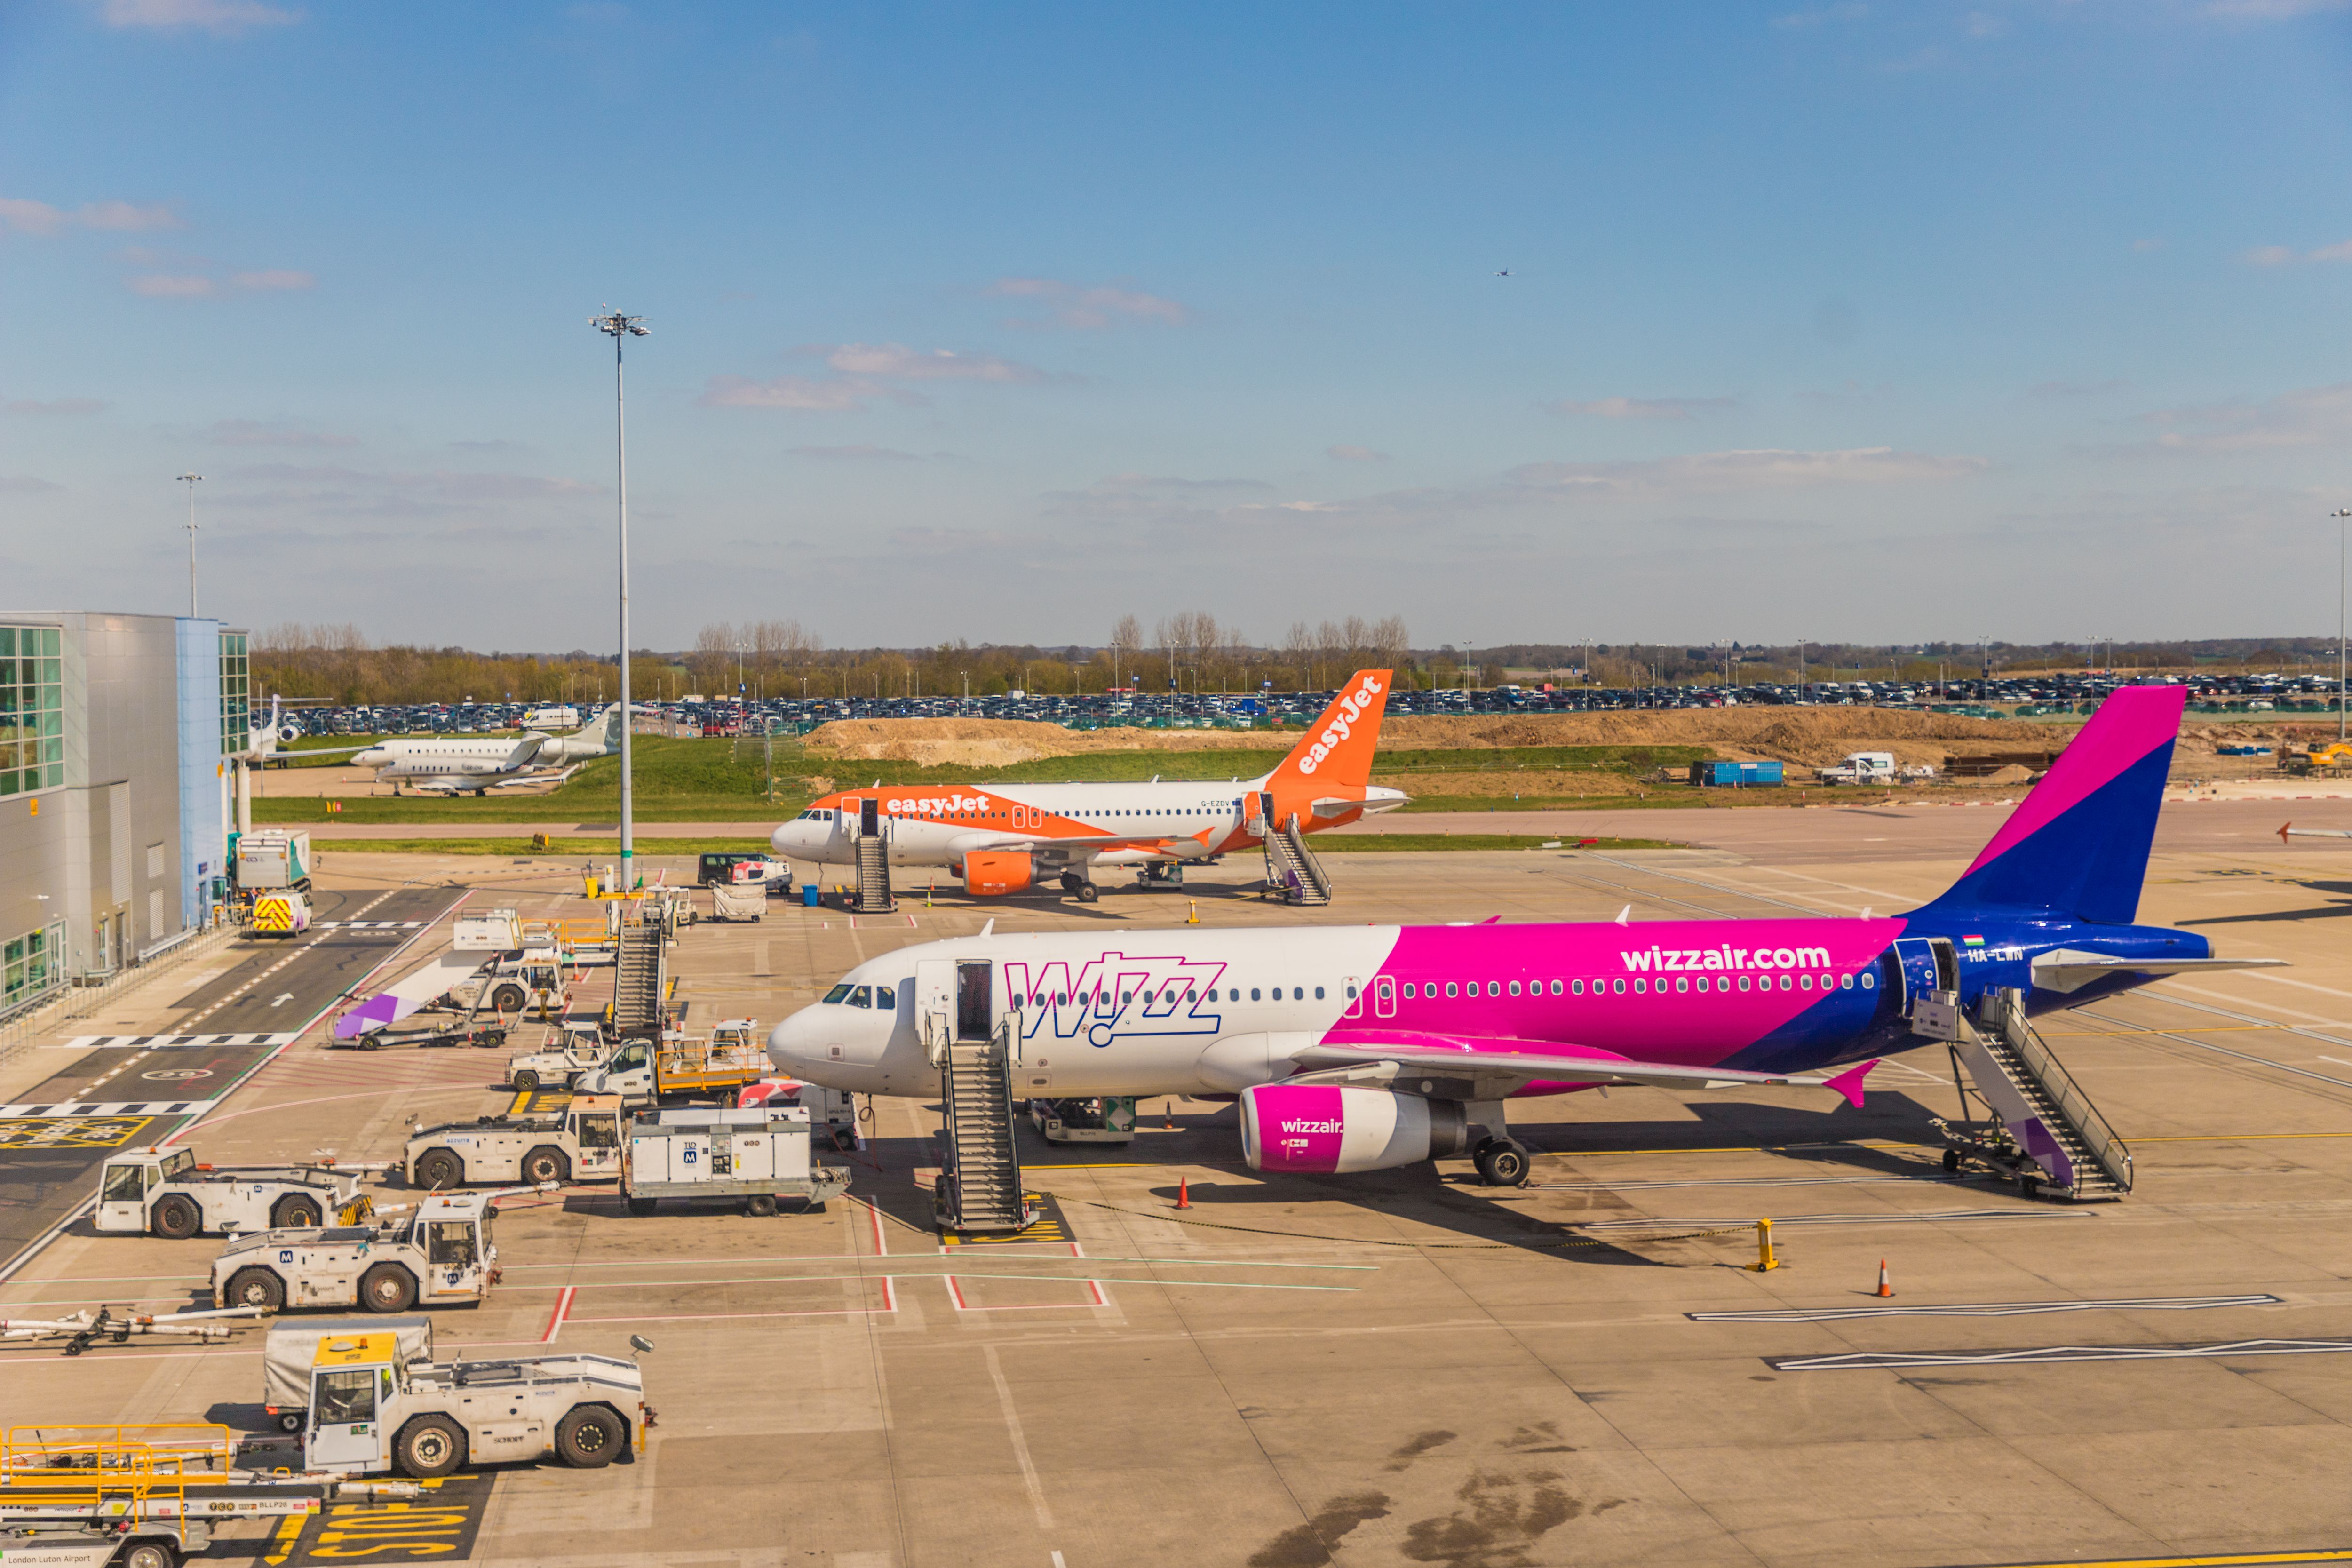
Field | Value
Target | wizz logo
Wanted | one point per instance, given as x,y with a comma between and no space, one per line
1115,995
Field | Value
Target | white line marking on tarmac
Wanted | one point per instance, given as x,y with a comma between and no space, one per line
2049,1354
1986,1310
1019,1443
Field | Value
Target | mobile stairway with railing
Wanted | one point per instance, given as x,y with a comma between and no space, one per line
639,984
1291,869
870,842
2038,1128
979,1187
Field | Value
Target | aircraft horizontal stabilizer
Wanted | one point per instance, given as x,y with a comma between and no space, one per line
2066,969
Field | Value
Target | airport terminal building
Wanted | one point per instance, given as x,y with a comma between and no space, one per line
115,732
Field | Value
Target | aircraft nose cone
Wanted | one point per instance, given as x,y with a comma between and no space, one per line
783,841
785,1043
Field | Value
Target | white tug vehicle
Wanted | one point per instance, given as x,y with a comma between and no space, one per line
164,1191
438,1255
581,1143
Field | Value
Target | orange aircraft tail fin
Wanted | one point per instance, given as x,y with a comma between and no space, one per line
1335,757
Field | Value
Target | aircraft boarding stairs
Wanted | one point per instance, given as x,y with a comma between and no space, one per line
979,1188
1291,869
871,839
2038,1127
638,981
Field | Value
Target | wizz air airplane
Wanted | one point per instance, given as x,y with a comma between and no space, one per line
1006,839
1360,1047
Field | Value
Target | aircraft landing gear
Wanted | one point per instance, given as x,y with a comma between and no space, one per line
1078,887
1086,893
1502,1163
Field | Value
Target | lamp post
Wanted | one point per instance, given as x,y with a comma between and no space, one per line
191,481
620,328
2339,515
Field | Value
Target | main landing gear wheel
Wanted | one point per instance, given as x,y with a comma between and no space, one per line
1503,1162
1086,893
1951,1159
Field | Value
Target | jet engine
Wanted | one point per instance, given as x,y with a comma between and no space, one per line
289,732
1316,1129
991,874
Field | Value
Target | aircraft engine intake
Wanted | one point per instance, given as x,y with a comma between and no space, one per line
1312,1129
991,874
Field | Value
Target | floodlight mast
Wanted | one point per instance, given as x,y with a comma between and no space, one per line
619,328
191,481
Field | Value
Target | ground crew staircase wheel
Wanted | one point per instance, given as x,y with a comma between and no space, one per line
293,1212
387,1288
545,1164
176,1217
439,1168
590,1436
525,1081
429,1446
256,1288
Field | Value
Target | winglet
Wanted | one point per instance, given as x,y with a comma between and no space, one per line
1624,913
1849,1082
2282,827
989,928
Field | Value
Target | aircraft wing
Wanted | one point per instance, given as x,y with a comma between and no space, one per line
1499,1070
1017,843
541,776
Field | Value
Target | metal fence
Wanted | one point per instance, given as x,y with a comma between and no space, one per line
79,1001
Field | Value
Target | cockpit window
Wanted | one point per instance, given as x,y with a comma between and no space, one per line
861,996
886,996
838,993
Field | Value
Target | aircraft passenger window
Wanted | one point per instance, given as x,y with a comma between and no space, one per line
1579,987
886,997
838,993
1641,988
1786,983
1619,987
1743,983
1254,992
1808,982
1449,988
1298,994
1494,988
1870,983
1702,984
1515,988
1845,982
863,997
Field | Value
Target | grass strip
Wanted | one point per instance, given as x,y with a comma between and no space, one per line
1324,844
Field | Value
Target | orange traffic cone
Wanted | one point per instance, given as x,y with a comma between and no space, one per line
1183,1192
1168,1116
1883,1288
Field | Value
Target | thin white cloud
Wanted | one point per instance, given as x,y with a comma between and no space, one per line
2306,417
2271,10
40,407
221,17
2286,255
196,285
897,362
1645,407
800,394
254,433
1821,16
1347,454
26,216
1768,469
1087,307
857,454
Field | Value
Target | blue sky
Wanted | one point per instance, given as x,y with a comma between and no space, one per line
1840,321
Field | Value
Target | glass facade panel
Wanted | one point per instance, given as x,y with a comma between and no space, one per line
32,715
236,696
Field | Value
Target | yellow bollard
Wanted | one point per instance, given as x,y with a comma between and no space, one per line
929,888
1194,918
1765,1261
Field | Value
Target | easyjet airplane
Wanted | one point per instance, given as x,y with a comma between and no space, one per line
1358,1048
1003,839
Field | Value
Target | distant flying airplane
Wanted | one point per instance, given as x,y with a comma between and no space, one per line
1006,839
1360,1047
1506,272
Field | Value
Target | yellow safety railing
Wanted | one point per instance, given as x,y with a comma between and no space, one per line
88,1464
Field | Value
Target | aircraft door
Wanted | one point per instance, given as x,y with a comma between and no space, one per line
975,999
1918,962
935,1005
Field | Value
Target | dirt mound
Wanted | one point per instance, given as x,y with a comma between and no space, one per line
1000,743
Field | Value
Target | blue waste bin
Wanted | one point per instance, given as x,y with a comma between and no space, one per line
811,895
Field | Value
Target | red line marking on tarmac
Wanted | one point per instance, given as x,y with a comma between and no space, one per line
555,1319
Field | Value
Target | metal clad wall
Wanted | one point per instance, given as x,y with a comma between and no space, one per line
202,835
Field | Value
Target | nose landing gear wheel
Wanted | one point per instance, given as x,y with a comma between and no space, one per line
1502,1163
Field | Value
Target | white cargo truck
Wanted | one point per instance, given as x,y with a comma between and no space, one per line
440,1255
373,1409
584,1143
557,1065
164,1191
735,1055
1860,767
291,1349
833,1109
756,1156
273,858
